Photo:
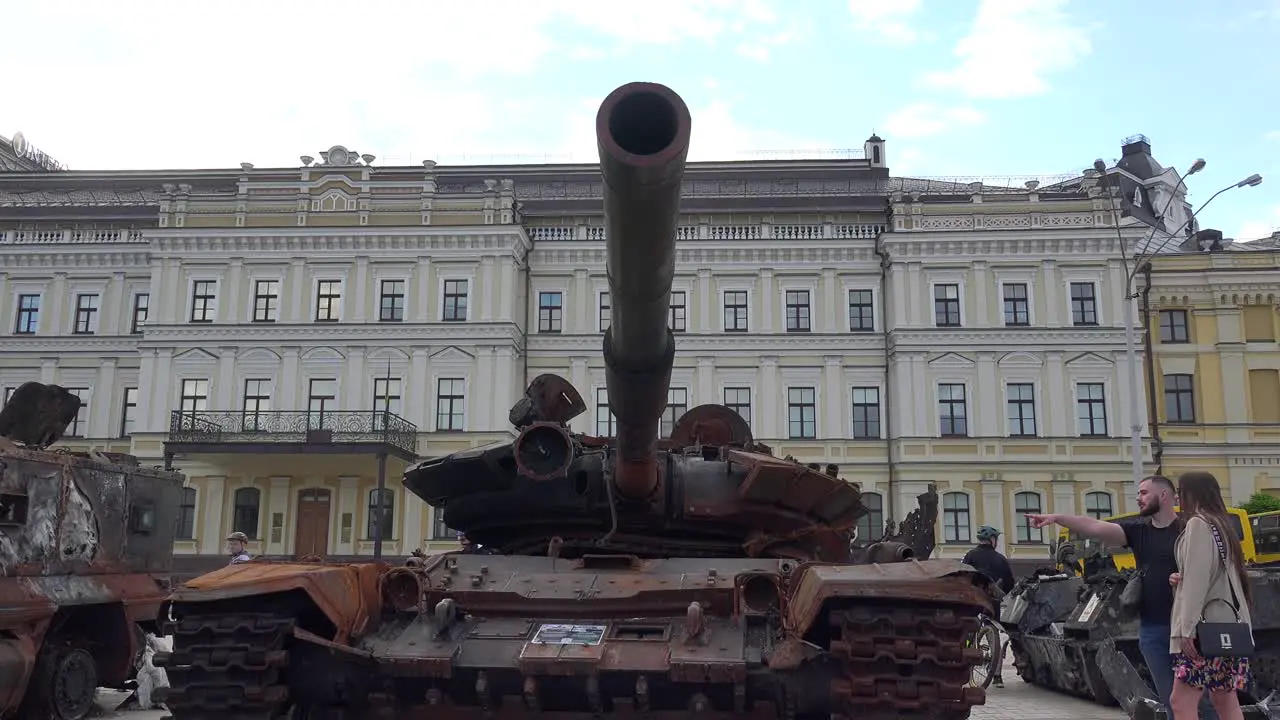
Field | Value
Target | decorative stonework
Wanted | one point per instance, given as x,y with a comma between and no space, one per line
394,334
125,345
686,344
75,256
1005,338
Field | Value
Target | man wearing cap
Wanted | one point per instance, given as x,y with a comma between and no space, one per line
985,558
236,543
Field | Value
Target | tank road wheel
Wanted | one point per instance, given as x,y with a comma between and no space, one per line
987,640
905,661
64,684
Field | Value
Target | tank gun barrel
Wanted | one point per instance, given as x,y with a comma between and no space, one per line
642,131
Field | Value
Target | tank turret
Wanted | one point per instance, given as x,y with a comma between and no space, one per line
709,489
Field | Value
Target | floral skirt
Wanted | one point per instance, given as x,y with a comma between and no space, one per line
1212,674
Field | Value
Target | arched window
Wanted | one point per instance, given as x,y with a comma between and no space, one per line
1098,505
187,514
1023,503
871,525
380,525
244,516
955,518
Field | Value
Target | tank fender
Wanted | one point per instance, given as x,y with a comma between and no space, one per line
817,584
348,593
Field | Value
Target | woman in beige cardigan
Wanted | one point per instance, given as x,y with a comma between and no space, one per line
1203,591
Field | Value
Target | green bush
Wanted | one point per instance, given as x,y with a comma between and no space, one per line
1261,502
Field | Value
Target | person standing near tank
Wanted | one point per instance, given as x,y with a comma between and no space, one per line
985,558
1152,537
237,543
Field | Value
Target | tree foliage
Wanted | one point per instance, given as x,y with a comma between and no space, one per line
1260,503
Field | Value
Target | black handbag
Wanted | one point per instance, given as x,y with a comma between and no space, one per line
1225,639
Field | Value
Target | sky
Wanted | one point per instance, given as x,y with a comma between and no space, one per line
959,89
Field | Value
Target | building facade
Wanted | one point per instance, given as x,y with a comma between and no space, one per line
291,339
1216,370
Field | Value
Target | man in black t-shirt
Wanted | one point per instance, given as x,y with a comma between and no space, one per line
1151,537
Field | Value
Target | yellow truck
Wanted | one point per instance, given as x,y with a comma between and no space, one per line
1244,524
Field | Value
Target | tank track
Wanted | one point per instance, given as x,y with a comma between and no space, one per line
904,662
226,666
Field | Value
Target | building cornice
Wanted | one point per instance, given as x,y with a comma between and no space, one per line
440,241
60,345
996,339
1064,246
721,343
395,334
73,256
560,256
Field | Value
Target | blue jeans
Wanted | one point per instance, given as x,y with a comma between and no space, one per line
1153,642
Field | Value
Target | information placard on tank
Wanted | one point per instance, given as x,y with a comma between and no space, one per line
569,635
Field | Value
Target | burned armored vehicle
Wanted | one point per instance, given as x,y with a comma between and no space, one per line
86,542
694,574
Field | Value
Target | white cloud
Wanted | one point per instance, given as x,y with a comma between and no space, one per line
717,134
1273,135
172,85
1254,229
1011,48
886,19
923,118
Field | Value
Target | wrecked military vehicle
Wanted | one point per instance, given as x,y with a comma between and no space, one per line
86,542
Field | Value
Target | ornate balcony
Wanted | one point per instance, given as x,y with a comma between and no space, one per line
330,431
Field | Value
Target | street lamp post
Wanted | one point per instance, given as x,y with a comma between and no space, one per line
1131,270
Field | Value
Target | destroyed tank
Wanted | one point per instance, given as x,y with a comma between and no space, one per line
690,575
86,544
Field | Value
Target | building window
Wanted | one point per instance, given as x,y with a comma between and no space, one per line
1021,400
861,311
1179,399
1017,306
381,515
798,311
439,530
450,404
328,300
1097,505
141,306
866,413
1091,409
194,397
1084,303
606,424
86,315
203,294
946,305
322,398
735,311
391,301
455,301
738,399
952,410
257,400
1025,503
550,312
955,518
129,413
604,316
871,525
679,311
79,426
677,405
28,315
266,300
187,515
1174,327
386,400
244,517
802,413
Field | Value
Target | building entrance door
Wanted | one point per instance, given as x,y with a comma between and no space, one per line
313,523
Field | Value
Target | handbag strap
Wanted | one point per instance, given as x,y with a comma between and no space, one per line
1226,567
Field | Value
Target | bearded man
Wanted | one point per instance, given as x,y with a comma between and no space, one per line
1151,536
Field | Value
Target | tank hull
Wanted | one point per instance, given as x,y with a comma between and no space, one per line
518,636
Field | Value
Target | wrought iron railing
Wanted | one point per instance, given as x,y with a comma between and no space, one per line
283,426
